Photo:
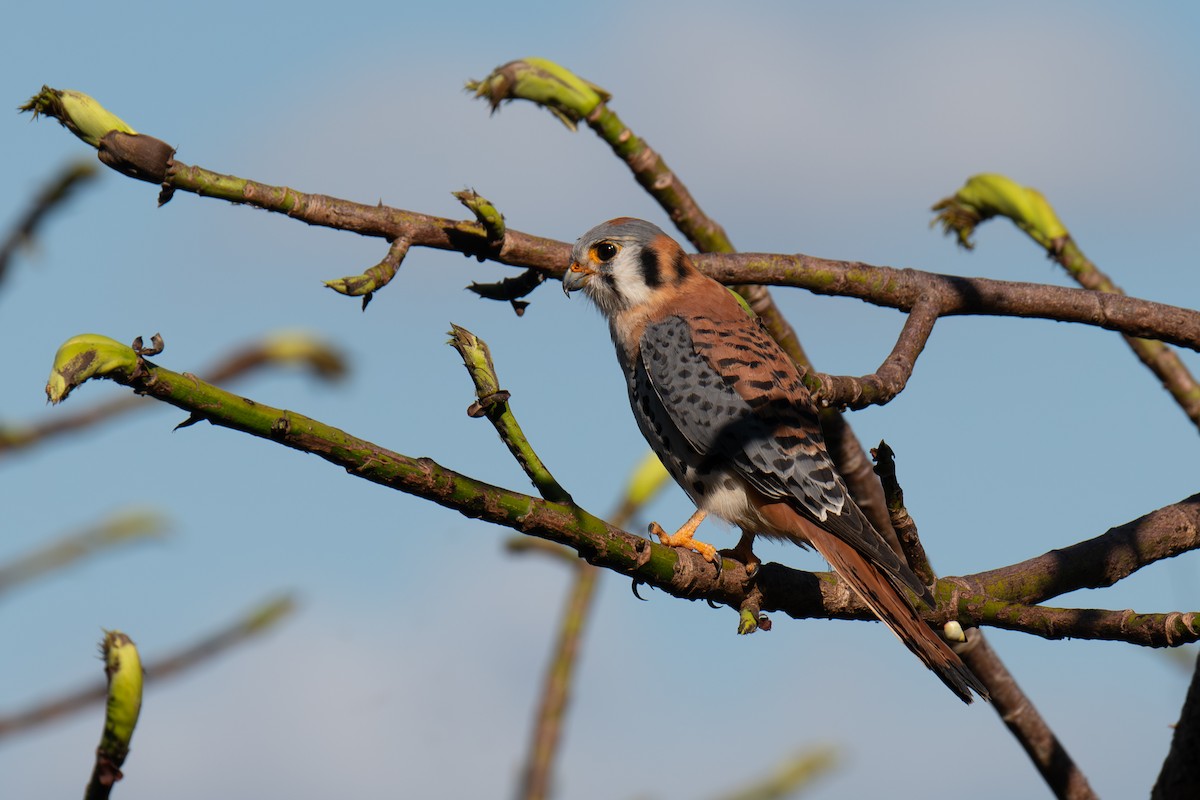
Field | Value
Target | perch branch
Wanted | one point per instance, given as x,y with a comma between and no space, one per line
682,574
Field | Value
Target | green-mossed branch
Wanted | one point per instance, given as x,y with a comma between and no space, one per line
796,593
282,349
884,286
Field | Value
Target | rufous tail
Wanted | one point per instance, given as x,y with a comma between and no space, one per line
888,602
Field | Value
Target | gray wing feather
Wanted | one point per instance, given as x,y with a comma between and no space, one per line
721,425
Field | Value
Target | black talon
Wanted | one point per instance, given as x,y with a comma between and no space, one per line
634,586
711,604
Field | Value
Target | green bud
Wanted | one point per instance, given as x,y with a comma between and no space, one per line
560,91
990,195
87,356
123,666
81,114
486,213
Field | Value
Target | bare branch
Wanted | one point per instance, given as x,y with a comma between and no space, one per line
1097,562
892,376
1180,775
1056,766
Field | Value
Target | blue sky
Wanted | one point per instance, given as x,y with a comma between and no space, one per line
415,659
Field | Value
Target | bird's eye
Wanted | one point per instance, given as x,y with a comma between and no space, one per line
605,251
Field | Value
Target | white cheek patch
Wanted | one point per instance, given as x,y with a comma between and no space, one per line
627,272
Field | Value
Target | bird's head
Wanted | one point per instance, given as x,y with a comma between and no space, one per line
624,263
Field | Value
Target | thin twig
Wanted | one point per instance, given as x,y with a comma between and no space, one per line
1158,358
889,380
493,403
57,189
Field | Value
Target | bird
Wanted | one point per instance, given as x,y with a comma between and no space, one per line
725,410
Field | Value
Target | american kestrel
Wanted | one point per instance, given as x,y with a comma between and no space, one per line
724,408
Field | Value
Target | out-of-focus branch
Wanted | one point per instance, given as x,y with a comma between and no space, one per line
790,777
121,528
283,349
987,196
647,479
258,621
51,197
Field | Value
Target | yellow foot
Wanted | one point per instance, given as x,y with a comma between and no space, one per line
685,537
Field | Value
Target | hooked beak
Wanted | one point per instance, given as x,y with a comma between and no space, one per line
576,277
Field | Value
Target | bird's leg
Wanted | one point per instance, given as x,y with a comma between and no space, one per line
684,536
744,552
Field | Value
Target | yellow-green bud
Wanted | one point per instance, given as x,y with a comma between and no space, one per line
86,356
990,195
560,91
81,114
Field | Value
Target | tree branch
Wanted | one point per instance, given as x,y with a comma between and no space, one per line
323,360
1052,760
682,574
1008,700
1180,775
889,380
1098,562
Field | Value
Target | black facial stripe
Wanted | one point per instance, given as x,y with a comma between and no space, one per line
611,283
677,265
651,273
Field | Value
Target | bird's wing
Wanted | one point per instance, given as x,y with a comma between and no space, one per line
737,399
